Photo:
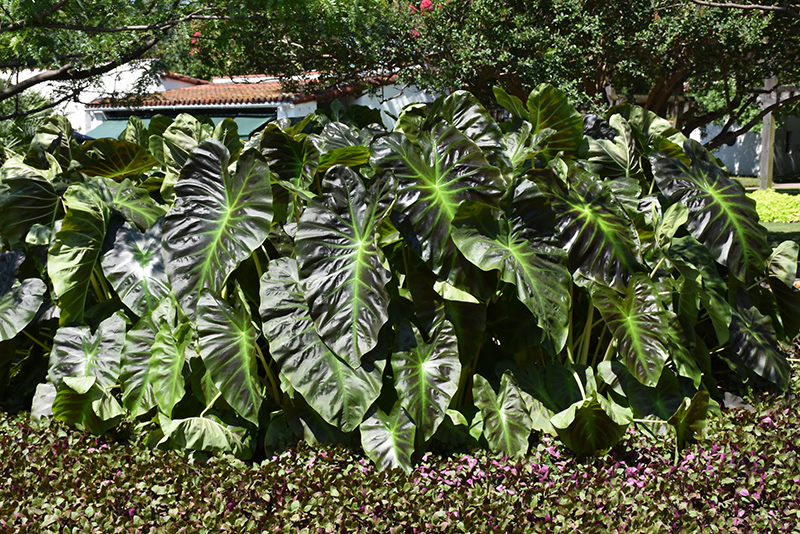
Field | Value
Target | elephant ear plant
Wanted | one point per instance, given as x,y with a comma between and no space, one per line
454,282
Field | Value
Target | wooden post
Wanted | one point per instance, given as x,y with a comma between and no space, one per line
767,138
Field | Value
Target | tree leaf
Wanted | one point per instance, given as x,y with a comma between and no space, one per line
340,394
217,221
435,175
340,264
638,322
753,339
19,300
111,158
77,248
79,353
135,269
227,339
388,440
426,374
507,422
536,269
721,216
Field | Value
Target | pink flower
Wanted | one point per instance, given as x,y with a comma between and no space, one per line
413,9
415,33
426,5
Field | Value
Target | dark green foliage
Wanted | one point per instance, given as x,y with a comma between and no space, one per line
457,281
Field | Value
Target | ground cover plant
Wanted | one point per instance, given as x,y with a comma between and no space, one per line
777,207
454,282
741,476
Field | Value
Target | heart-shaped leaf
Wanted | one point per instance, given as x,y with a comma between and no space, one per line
435,175
79,353
227,339
618,158
291,158
82,403
134,203
753,339
426,373
77,248
218,219
111,158
537,269
690,418
598,235
136,365
19,300
388,440
135,268
782,263
507,421
26,200
340,394
591,425
340,264
639,323
721,216
204,434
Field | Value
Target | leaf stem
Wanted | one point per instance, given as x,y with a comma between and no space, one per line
653,272
274,391
587,335
259,270
45,347
96,287
611,345
580,384
202,415
599,344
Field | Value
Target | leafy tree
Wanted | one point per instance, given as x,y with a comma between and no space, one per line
75,42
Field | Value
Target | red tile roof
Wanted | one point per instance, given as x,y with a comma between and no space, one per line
225,93
184,78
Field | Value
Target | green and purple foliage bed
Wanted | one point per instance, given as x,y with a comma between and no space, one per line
454,281
743,475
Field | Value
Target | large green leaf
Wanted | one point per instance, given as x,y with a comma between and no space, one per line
537,269
227,341
153,360
753,339
204,434
507,421
340,394
788,302
690,418
26,200
340,263
135,268
462,110
134,203
721,216
113,159
548,108
291,158
19,300
639,323
388,440
435,175
76,249
599,237
426,373
591,425
78,352
650,131
82,403
618,158
173,147
782,263
219,218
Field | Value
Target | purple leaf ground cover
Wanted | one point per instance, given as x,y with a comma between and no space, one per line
743,475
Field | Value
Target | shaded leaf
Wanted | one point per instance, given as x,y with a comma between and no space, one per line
753,339
388,440
506,418
112,158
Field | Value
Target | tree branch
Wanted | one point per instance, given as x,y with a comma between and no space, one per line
785,10
724,137
24,24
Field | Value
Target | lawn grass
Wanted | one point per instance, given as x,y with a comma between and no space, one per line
743,475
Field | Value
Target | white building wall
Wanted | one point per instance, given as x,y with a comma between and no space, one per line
391,100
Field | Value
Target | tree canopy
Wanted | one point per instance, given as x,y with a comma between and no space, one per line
691,60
